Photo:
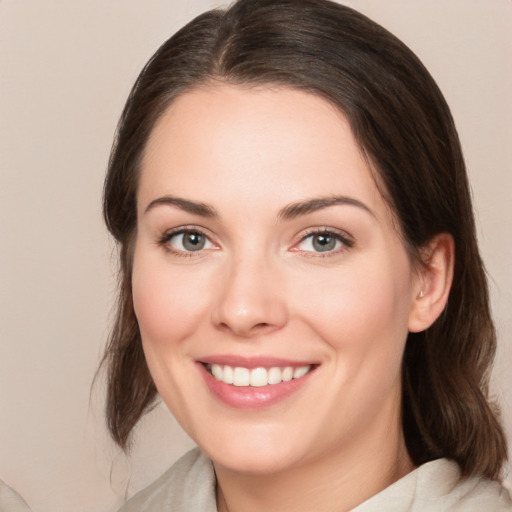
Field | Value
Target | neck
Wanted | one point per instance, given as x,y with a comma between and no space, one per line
337,482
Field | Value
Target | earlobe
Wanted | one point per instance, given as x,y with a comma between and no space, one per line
434,281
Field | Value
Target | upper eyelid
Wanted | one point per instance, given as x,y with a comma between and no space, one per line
341,234
186,229
167,235
347,242
164,241
326,230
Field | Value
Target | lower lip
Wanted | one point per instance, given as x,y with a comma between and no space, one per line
249,397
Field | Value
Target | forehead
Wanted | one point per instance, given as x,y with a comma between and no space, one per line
277,143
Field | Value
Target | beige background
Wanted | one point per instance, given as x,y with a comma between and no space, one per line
65,70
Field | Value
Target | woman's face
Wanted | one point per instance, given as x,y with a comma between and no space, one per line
265,253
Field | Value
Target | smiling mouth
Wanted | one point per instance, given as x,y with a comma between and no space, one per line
256,377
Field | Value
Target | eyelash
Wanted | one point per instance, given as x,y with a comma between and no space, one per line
343,238
345,241
167,237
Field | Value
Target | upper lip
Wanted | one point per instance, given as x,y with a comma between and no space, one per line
253,362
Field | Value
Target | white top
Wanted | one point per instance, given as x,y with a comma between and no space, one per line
189,486
10,500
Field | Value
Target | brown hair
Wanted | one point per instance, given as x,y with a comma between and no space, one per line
404,126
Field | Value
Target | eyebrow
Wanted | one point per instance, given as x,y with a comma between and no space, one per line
289,212
201,209
294,210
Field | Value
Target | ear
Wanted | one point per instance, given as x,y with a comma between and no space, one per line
433,283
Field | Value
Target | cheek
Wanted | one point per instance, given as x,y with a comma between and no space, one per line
361,313
166,304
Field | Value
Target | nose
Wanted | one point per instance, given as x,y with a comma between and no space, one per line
251,300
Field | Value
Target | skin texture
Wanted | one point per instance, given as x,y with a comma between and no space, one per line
259,288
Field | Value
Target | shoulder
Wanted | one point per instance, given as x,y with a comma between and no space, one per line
439,482
438,487
10,500
188,485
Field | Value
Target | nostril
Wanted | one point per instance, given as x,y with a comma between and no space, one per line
249,314
246,330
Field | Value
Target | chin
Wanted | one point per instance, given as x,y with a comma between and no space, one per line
252,455
253,463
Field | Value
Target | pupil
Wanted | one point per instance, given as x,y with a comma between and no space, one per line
193,241
323,243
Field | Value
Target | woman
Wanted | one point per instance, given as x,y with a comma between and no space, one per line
300,279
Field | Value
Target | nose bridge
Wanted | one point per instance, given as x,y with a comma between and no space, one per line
250,298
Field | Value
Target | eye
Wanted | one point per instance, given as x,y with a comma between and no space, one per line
323,242
186,241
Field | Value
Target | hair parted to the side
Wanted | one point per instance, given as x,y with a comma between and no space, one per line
403,125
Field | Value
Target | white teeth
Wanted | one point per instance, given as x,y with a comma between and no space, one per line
300,372
287,374
275,376
259,377
217,371
256,377
227,376
241,376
